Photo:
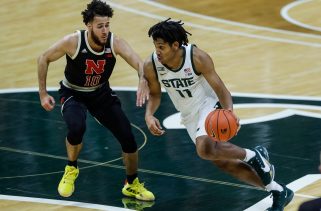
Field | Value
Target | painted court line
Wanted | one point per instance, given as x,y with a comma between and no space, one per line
217,29
62,202
228,22
285,14
107,164
295,186
124,88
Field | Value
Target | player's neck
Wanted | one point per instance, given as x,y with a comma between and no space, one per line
178,59
94,45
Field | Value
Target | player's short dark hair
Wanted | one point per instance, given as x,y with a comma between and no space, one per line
169,31
96,8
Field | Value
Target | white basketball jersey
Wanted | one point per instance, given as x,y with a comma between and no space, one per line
186,88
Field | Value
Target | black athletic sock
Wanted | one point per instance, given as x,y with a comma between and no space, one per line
131,178
73,163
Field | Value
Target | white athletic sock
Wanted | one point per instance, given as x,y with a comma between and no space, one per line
248,155
274,186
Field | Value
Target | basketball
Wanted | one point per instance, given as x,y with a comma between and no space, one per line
221,125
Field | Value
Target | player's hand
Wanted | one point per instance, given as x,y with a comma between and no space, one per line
142,94
154,126
238,124
47,101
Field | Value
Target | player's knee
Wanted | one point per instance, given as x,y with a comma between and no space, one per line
202,152
129,146
205,149
76,132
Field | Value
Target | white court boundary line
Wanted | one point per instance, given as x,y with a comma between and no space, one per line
124,88
174,121
287,17
216,29
62,202
233,23
295,186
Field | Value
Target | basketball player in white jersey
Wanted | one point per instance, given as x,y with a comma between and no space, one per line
188,75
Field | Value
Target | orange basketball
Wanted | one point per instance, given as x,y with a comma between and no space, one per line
221,125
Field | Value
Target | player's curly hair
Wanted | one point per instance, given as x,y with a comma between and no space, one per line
96,8
169,31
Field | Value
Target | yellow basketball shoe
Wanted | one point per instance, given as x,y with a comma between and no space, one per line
66,186
138,191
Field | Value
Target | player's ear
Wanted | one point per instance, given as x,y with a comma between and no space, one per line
175,45
89,25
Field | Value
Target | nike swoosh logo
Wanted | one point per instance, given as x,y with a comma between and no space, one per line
266,165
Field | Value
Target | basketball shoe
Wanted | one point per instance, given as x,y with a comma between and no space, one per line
260,162
67,184
134,204
281,199
138,191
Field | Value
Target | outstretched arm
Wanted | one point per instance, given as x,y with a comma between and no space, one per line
132,58
153,103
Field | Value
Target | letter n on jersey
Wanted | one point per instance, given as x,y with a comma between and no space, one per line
92,67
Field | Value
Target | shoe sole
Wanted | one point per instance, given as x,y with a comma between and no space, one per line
289,198
63,195
131,195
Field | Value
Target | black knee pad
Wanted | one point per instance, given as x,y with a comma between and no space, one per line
129,146
74,114
76,131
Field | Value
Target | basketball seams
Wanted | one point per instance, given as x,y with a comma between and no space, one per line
228,122
208,123
218,122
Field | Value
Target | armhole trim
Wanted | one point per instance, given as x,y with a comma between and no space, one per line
154,65
192,61
112,44
78,46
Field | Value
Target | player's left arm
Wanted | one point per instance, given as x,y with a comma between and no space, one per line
204,65
122,48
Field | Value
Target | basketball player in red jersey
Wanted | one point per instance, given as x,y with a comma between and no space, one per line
189,77
91,56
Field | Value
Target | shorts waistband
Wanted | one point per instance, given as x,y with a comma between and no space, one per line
69,85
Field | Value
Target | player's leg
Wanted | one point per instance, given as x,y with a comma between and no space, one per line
74,114
257,159
240,170
228,157
210,150
117,122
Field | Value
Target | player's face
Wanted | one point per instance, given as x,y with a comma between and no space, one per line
99,29
165,52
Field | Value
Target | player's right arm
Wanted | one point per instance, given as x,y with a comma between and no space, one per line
66,45
153,103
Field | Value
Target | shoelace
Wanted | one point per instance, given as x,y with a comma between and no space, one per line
68,177
140,187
